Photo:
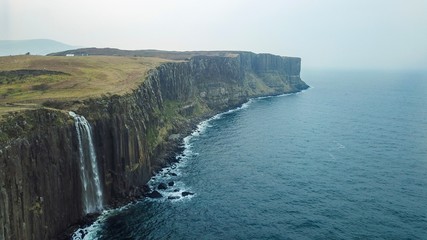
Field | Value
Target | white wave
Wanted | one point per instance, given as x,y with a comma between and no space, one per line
283,95
243,106
91,232
173,174
173,194
340,145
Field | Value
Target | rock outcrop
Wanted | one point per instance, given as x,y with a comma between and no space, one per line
134,136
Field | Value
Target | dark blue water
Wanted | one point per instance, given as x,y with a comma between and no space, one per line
346,159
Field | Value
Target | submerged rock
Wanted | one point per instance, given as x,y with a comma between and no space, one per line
184,194
173,197
155,194
171,183
162,186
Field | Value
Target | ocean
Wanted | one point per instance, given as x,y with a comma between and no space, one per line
345,159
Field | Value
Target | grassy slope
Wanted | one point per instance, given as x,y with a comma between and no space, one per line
86,77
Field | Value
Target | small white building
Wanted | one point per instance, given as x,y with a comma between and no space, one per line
69,55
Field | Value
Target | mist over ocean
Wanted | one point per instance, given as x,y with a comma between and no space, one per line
346,159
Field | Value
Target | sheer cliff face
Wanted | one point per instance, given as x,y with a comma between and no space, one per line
36,178
222,82
40,189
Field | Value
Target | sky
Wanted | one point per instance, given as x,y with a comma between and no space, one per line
333,34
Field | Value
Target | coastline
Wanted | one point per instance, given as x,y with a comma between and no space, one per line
179,145
134,137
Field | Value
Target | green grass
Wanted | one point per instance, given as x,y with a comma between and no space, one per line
68,78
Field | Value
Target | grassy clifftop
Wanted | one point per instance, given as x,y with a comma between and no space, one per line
28,81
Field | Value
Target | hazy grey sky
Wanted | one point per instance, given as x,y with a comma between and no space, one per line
325,33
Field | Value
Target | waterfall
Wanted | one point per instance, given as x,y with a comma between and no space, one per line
91,184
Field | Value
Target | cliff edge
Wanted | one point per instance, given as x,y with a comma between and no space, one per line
41,187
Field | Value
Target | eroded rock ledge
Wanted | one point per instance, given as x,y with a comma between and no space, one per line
40,189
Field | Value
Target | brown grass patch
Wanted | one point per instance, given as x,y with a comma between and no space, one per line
86,77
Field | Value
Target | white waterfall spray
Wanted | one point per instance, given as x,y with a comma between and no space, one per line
91,184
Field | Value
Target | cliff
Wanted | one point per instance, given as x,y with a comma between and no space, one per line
40,185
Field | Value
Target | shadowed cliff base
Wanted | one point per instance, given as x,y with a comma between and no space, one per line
39,153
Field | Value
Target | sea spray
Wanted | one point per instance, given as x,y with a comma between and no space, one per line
91,184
